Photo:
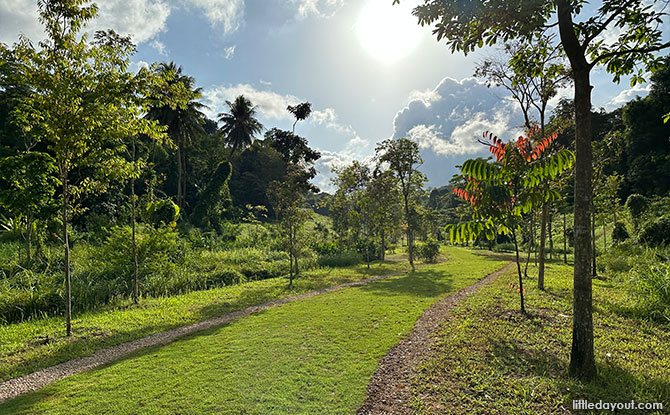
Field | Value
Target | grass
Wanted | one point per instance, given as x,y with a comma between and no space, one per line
21,352
310,356
491,359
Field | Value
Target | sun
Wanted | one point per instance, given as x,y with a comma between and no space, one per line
388,33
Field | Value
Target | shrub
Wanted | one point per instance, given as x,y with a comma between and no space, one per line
162,213
619,233
657,232
652,281
636,205
429,250
620,259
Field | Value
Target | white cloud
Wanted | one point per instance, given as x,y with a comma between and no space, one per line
143,19
229,52
270,104
136,66
427,97
320,8
627,95
447,121
159,47
266,83
227,13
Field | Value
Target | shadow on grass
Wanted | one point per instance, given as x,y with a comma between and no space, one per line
612,384
423,283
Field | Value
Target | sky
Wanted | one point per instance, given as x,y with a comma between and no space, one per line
369,70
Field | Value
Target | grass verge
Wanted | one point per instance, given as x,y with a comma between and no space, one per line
491,359
310,356
38,343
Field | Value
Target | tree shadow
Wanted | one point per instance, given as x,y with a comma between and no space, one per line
423,283
612,384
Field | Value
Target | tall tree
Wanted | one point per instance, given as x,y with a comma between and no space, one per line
469,25
240,124
300,112
403,158
178,109
83,103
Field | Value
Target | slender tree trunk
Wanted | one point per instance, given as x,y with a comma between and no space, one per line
530,246
410,233
136,284
604,237
594,271
383,245
29,239
184,177
543,237
582,357
518,270
66,247
565,238
551,234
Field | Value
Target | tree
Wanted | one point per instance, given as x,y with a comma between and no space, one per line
382,196
27,192
287,200
532,73
177,108
240,125
402,156
83,103
501,191
485,23
300,112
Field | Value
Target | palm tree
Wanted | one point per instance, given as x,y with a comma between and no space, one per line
182,120
240,124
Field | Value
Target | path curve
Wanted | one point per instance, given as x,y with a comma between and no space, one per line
389,388
41,378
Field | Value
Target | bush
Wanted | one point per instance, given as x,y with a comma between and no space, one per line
619,233
429,250
652,281
162,213
657,232
637,205
341,259
620,259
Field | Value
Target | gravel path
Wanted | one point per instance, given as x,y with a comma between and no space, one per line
389,389
37,380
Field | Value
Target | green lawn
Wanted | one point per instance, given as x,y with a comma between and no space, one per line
21,352
493,360
310,356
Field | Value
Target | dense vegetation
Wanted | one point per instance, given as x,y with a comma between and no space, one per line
125,211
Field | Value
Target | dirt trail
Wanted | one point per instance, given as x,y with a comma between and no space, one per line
389,388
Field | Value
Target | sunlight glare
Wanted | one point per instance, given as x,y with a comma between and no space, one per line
388,33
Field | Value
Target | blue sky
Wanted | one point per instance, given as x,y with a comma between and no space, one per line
370,72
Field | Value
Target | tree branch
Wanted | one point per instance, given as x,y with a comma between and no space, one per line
606,23
628,51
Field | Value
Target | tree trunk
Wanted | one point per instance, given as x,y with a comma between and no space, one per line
29,239
550,230
543,237
136,284
410,236
565,238
66,247
530,246
594,271
604,237
518,270
582,359
383,245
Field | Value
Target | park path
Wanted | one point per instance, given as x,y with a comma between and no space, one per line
41,378
389,389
